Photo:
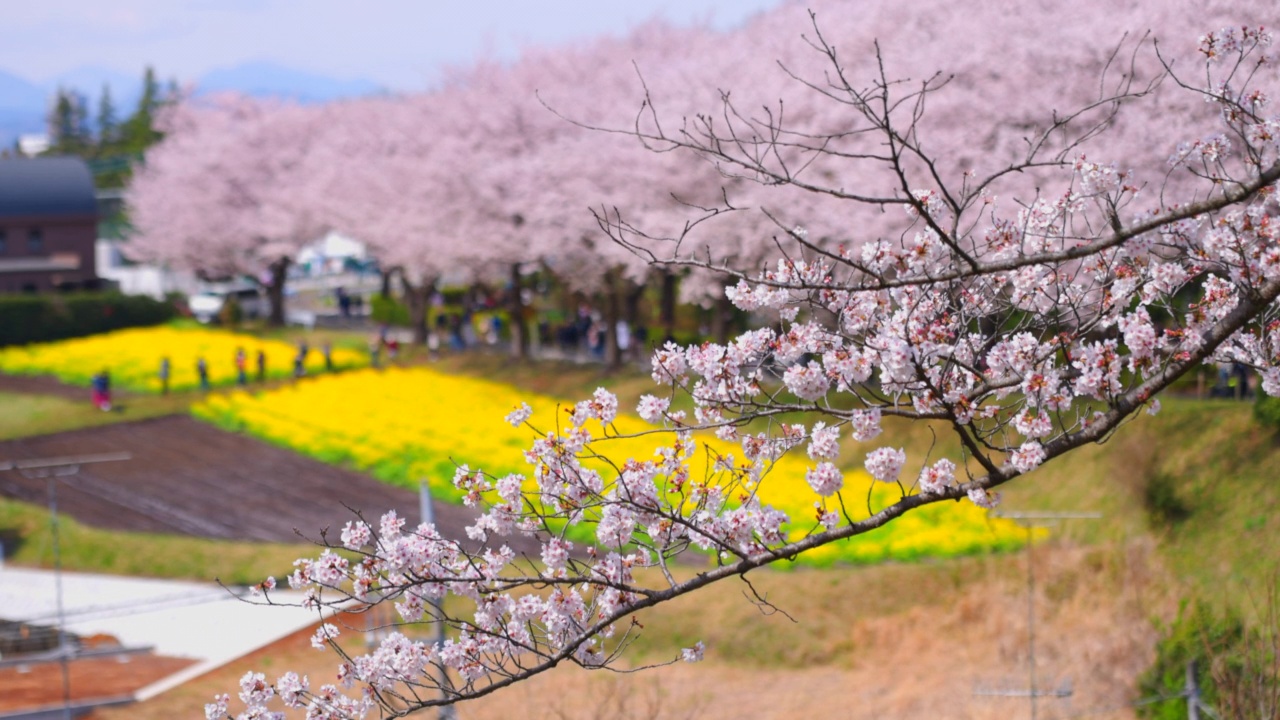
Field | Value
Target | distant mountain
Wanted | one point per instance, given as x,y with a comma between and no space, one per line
88,80
22,107
265,79
16,92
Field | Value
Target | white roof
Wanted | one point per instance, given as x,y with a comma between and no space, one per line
201,621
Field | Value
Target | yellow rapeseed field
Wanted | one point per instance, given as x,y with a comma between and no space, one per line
405,425
133,357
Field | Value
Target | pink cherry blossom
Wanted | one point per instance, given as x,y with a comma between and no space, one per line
885,464
1027,457
825,479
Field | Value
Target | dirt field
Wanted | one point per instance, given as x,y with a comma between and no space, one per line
184,477
189,478
41,385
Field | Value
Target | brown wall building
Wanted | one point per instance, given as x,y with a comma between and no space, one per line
48,225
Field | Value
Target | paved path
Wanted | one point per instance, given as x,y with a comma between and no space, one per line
199,621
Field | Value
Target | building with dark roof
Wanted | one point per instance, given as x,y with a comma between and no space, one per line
48,225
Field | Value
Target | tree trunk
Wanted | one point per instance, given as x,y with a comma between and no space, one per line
519,333
386,282
721,312
668,306
612,311
275,291
418,299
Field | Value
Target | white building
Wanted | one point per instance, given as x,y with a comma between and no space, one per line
139,279
332,254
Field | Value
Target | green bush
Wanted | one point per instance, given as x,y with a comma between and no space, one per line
454,295
1198,634
1266,410
1164,507
230,315
1236,665
388,310
42,318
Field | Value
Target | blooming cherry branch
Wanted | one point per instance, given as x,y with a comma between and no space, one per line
1028,326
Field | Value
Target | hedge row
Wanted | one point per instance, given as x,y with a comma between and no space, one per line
41,318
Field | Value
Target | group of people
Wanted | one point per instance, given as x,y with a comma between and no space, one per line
348,305
202,370
462,331
241,362
1234,381
589,331
300,359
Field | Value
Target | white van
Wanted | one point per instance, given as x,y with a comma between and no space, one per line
206,304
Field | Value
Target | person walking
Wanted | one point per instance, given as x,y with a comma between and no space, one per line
300,360
262,365
202,370
164,375
101,384
242,367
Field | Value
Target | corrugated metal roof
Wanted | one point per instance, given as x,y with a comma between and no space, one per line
45,187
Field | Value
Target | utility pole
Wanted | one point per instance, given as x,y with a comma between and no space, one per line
428,515
1030,520
1193,692
52,469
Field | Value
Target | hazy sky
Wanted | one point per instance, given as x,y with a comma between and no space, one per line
400,44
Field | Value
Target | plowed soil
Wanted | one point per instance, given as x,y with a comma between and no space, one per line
189,478
41,385
184,477
89,679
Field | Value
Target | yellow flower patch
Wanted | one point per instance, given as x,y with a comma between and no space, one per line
407,425
132,357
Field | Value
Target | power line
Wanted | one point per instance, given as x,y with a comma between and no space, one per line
1030,520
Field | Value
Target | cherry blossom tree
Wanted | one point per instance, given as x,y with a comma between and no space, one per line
1030,296
399,190
232,190
500,134
578,170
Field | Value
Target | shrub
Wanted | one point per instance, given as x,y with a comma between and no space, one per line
1235,665
454,295
1163,505
1198,634
1266,410
231,314
388,310
41,318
